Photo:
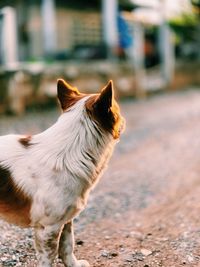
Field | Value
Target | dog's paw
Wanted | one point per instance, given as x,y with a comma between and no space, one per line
82,263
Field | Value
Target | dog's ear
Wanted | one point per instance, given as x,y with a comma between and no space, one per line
105,100
66,93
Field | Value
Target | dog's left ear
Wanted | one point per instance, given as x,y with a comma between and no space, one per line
66,93
105,100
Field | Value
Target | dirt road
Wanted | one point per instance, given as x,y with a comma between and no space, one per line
145,210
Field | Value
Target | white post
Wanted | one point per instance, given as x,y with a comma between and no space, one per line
166,47
49,26
109,21
9,42
139,58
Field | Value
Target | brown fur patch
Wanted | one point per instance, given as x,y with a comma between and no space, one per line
110,121
70,101
14,204
67,95
25,141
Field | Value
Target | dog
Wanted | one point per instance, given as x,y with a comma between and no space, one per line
45,179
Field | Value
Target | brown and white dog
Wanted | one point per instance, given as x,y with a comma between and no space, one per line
45,179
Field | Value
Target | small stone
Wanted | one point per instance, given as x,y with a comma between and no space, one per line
136,234
129,259
138,256
4,259
114,254
190,258
104,253
145,252
79,242
117,215
149,234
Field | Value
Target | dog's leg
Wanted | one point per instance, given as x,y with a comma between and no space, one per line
66,248
46,243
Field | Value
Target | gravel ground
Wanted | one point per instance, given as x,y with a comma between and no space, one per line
145,210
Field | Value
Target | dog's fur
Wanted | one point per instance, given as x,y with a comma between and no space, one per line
45,179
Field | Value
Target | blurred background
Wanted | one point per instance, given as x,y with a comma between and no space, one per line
144,46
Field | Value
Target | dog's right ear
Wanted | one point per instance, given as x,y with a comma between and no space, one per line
66,94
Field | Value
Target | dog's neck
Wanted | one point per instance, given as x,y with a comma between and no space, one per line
75,144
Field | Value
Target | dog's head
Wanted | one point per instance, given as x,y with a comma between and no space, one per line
102,107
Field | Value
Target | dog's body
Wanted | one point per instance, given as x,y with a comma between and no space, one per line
45,179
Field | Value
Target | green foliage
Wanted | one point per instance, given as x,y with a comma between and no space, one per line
186,19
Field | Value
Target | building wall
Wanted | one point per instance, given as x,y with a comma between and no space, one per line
73,27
